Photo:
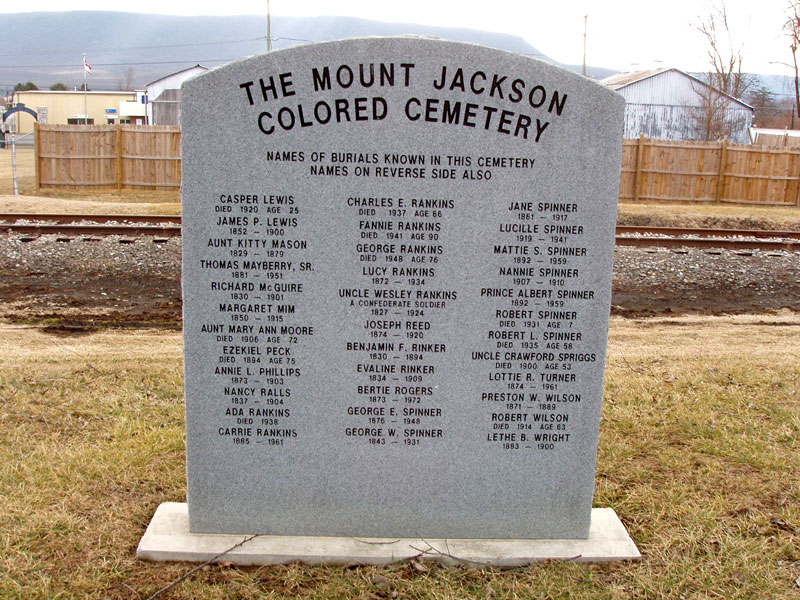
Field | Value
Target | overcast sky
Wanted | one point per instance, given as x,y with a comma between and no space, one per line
622,34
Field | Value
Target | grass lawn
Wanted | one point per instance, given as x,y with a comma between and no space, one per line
699,455
775,218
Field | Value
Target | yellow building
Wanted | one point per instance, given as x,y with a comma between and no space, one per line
67,108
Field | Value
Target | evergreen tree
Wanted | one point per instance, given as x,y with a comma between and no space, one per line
24,87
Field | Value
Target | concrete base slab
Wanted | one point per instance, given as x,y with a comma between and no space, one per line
168,539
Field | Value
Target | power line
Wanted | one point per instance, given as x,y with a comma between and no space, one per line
275,39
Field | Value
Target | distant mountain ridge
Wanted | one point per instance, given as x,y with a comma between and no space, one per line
130,49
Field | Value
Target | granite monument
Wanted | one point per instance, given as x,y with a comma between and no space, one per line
397,260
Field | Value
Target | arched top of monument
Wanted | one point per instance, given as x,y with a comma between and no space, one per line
353,52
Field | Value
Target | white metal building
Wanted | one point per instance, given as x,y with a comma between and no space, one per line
134,111
669,104
164,96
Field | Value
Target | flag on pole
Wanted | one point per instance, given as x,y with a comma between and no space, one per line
86,66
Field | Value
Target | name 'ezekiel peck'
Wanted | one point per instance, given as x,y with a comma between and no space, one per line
477,83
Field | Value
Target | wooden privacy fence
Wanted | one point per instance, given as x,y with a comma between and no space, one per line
108,156
660,170
148,157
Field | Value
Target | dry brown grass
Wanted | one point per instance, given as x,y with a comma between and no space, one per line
113,205
699,455
775,218
26,171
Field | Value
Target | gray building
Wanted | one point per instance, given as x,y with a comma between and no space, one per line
164,96
669,104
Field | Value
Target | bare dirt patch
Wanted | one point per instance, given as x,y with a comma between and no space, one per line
81,284
664,281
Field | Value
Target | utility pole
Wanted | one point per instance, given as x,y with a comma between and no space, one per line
85,111
585,20
269,30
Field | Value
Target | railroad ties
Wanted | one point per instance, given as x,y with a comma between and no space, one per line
91,227
729,239
129,227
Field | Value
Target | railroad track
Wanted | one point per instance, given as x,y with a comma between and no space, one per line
91,225
685,237
168,226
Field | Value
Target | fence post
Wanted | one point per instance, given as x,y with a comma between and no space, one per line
797,180
119,158
638,176
36,152
723,165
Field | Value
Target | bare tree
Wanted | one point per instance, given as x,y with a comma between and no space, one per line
128,75
724,75
769,112
792,27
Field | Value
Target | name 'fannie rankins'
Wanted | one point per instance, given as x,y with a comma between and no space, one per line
431,110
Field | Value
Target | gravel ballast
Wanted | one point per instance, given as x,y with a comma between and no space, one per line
136,281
